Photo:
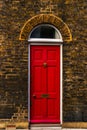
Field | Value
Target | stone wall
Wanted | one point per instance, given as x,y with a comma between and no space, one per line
14,57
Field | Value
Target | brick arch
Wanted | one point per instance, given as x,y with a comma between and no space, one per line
45,18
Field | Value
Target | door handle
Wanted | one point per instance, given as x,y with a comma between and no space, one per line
34,96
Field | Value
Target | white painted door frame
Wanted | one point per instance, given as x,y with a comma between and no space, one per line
61,73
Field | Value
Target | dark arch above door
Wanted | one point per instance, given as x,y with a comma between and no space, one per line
46,18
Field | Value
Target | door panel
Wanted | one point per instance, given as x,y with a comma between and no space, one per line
45,84
51,79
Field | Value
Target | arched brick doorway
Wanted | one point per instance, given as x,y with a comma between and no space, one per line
66,37
46,18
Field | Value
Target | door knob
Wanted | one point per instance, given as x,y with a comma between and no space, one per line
45,64
34,96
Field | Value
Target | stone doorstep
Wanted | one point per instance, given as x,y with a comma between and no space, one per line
13,127
34,128
42,128
46,128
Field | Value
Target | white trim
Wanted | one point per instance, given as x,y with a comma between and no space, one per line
45,43
29,83
44,40
61,84
61,79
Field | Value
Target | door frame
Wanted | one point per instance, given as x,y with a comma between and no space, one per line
61,73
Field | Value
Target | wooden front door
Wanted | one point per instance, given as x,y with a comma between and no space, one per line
45,84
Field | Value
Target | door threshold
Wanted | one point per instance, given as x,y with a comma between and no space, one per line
45,125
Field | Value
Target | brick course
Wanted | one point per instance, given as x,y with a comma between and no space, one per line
14,57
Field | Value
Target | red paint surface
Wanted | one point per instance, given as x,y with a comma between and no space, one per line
45,80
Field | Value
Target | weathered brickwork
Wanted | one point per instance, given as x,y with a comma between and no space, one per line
46,18
14,57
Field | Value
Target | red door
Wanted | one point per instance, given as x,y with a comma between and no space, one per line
45,84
